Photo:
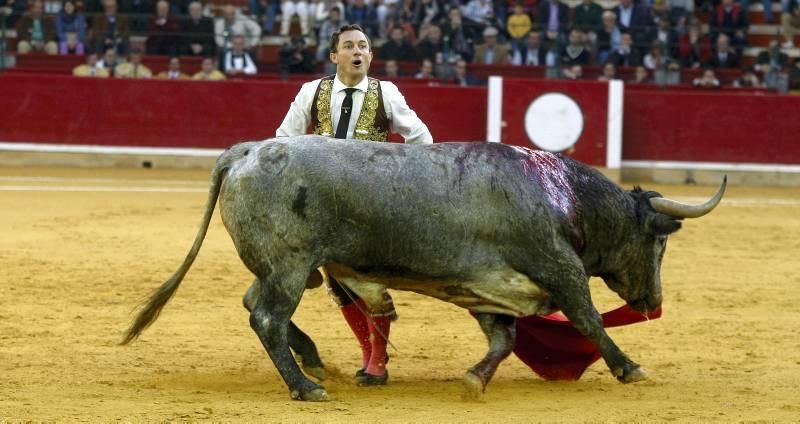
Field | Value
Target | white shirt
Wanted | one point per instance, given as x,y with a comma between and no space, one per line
625,16
241,62
402,119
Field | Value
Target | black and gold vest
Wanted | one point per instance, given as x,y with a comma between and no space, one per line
372,124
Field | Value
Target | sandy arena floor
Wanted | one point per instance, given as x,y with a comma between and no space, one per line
80,248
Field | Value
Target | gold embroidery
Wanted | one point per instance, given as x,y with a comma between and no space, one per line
325,125
365,126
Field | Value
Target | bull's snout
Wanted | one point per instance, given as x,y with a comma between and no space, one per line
647,304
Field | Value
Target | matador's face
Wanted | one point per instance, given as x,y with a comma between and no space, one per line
353,55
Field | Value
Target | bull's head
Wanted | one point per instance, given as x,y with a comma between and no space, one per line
634,268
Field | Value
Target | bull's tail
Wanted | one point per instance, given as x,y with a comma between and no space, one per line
161,295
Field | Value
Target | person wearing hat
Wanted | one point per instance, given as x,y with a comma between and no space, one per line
492,52
353,106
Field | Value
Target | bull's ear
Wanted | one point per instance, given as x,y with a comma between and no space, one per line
663,224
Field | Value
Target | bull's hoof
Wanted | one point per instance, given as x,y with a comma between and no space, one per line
473,388
315,395
632,375
317,372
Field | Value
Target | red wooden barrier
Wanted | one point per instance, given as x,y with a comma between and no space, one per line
114,112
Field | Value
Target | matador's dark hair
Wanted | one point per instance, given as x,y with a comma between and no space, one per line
344,28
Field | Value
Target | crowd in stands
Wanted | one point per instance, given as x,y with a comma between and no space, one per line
658,38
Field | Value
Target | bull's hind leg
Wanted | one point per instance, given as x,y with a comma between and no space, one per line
501,333
300,342
278,298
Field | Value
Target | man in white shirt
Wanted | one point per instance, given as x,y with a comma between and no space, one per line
237,61
353,106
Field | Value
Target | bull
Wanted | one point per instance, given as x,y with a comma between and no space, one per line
502,231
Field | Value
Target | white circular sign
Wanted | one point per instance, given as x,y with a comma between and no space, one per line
553,122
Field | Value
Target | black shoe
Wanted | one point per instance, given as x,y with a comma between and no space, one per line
363,371
372,380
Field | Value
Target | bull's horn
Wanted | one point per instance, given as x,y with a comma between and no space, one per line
682,210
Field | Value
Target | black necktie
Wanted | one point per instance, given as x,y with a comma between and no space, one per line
344,116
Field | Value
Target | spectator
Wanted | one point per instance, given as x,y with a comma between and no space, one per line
110,30
71,45
588,17
553,18
708,80
289,9
397,47
766,5
461,77
90,69
625,55
36,32
330,25
364,15
237,61
608,38
133,68
641,75
13,10
533,53
425,70
69,20
668,37
458,37
109,61
572,72
575,53
478,11
233,23
391,69
694,47
428,12
405,16
139,12
321,12
794,75
497,21
174,71
790,23
771,59
656,58
609,72
162,31
209,71
268,9
748,79
724,56
730,19
431,46
197,32
384,9
519,25
635,20
680,12
491,52
295,57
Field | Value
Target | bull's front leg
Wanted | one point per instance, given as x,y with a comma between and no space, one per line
500,331
573,297
270,318
299,342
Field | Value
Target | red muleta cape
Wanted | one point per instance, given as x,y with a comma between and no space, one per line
552,347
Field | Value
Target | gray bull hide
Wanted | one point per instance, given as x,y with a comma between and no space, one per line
502,231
